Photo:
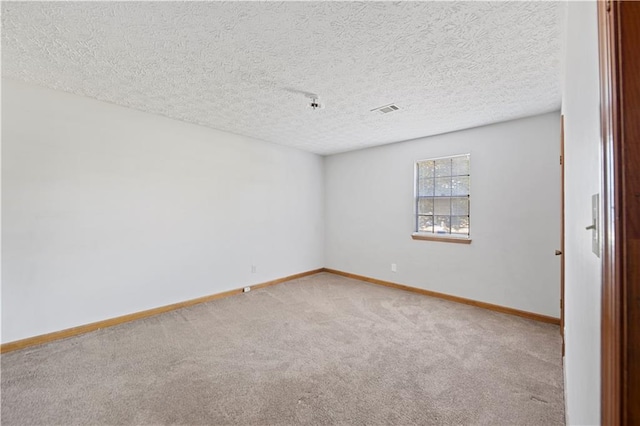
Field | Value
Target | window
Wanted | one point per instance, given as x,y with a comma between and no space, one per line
442,199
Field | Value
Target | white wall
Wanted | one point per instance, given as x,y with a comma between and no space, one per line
515,215
109,211
582,179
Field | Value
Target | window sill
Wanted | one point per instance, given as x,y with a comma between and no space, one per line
442,238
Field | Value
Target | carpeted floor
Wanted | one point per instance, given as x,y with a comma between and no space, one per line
319,350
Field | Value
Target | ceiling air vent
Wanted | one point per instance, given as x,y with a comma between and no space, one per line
386,109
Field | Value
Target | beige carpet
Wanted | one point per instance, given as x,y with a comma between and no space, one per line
319,350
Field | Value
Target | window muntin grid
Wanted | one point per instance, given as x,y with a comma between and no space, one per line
442,196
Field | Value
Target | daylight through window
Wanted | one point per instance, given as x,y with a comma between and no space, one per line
442,196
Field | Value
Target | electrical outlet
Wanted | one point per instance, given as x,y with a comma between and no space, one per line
394,267
246,289
254,268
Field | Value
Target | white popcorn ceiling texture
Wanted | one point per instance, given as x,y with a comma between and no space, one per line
243,67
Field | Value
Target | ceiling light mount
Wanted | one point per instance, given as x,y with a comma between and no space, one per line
315,102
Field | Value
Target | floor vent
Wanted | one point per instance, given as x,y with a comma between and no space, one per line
386,109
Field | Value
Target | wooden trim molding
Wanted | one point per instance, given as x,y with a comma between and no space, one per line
562,256
428,237
484,305
610,338
619,36
86,328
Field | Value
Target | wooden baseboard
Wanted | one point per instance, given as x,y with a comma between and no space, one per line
484,305
82,329
75,331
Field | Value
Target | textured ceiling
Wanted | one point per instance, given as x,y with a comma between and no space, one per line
243,67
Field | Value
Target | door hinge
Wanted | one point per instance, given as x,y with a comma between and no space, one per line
561,160
608,5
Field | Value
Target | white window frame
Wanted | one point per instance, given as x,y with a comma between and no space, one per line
439,236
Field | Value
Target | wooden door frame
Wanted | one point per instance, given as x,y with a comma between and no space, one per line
619,34
562,256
